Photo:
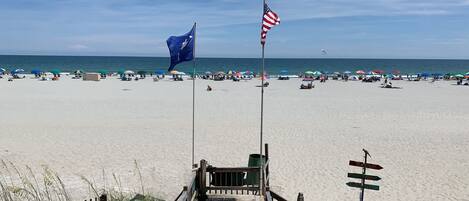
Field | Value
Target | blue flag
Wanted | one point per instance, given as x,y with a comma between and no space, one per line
181,48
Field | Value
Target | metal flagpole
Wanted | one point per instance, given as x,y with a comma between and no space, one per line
261,173
193,98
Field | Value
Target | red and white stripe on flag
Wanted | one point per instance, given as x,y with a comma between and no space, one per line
269,20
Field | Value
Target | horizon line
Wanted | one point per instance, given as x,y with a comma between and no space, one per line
221,57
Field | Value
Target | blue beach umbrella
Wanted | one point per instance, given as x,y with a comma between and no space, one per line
347,72
36,71
283,72
159,72
425,74
16,71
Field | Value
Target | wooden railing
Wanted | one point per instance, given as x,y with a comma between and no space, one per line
210,180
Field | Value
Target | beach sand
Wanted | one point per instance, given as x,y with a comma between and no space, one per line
419,134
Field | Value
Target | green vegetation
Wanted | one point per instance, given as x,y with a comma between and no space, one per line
22,184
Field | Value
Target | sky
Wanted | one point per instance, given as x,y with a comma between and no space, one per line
432,29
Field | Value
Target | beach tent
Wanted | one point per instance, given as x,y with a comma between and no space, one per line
360,72
16,71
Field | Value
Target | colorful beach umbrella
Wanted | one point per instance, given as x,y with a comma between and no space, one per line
396,72
360,72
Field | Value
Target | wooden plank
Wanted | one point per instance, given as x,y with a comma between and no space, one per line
362,176
368,165
366,186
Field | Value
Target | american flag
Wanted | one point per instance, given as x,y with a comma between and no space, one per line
269,20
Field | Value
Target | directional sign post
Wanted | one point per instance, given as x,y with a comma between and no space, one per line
363,177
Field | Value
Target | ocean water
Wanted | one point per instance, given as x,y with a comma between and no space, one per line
273,66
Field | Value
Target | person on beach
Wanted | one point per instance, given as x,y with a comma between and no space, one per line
209,88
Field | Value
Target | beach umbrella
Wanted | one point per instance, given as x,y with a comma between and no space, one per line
380,72
467,73
360,72
159,72
396,72
220,73
78,72
16,71
283,72
129,72
248,72
208,73
459,75
347,72
425,74
317,73
55,71
2,70
180,73
36,71
103,72
309,72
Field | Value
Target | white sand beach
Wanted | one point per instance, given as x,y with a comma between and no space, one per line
419,134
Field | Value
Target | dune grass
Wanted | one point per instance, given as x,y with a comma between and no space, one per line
20,184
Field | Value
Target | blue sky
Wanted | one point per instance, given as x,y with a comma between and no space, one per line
230,28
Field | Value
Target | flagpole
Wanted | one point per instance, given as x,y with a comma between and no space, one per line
261,173
193,98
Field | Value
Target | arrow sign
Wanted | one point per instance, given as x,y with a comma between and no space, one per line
362,176
368,165
366,186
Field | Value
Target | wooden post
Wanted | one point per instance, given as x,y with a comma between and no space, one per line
362,195
202,180
300,197
267,167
